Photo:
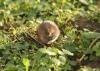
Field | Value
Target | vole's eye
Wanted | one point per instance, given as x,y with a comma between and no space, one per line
46,32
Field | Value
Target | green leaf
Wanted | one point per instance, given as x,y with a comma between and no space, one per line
96,48
67,52
10,67
84,2
43,69
56,61
62,59
51,51
90,34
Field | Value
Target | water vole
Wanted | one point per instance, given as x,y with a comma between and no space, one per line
48,32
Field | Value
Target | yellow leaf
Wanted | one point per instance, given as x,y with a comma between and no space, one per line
26,63
14,32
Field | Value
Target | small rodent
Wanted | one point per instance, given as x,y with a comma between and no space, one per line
47,32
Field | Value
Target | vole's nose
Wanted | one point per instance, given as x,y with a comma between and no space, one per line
50,34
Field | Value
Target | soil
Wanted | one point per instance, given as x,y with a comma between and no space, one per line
92,64
87,24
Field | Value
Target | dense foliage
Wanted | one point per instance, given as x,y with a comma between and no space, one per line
77,48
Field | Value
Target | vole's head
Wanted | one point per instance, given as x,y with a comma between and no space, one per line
48,32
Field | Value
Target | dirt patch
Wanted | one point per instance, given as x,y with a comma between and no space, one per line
92,64
82,23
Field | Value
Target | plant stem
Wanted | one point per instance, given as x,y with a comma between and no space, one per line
90,46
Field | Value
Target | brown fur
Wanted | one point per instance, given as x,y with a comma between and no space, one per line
48,32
